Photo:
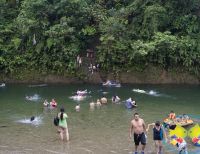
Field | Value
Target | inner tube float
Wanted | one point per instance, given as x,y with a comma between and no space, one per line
168,121
196,141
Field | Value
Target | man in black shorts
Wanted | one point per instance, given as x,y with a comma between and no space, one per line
138,130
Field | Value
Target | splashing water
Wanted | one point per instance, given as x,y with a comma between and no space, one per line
35,97
37,121
151,92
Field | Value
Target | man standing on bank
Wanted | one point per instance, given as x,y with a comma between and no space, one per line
137,130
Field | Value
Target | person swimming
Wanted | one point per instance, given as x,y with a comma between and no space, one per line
32,118
92,105
104,100
115,99
77,107
98,104
53,103
46,103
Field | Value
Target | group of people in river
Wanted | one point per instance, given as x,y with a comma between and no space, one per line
52,104
138,132
129,103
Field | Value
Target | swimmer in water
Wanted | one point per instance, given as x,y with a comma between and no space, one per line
77,107
92,105
32,118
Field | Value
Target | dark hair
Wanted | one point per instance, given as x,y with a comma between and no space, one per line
172,112
114,98
62,110
157,123
32,118
136,114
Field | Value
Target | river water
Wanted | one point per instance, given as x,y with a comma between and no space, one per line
98,131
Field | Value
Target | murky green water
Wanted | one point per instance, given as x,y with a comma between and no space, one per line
99,131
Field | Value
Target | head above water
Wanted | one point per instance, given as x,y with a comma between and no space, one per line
32,118
62,109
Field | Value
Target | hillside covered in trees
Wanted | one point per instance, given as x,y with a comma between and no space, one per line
47,35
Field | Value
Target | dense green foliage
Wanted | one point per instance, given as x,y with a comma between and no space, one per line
47,35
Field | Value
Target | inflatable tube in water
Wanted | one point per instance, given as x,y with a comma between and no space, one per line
196,141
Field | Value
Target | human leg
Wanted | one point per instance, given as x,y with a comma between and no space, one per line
143,142
67,134
137,141
160,146
61,133
156,147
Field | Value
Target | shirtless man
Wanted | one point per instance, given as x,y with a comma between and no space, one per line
138,130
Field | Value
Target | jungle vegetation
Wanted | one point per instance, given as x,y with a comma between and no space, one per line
47,35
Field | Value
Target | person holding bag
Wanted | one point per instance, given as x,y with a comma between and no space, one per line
62,124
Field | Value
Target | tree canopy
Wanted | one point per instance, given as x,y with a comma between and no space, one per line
47,35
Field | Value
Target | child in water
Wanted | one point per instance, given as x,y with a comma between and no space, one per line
181,145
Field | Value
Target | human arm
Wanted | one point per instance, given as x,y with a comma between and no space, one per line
152,124
134,103
131,131
144,126
165,134
65,116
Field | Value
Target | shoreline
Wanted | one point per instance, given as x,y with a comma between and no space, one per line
134,77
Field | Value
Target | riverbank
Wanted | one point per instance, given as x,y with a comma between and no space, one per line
152,75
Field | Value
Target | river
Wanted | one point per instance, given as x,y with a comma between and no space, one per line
100,131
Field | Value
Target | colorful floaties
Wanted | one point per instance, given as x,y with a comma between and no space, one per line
194,134
196,141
